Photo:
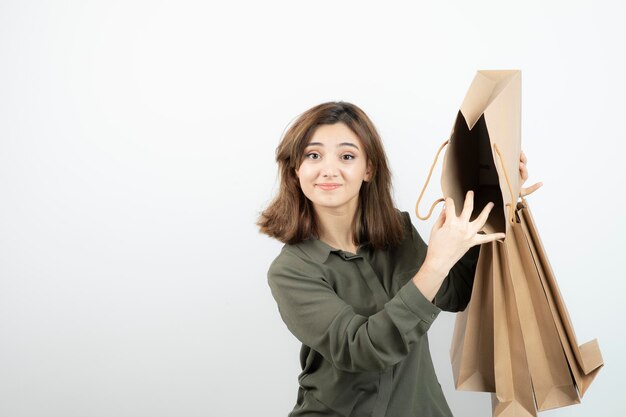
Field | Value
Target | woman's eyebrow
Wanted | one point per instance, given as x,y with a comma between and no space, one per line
341,144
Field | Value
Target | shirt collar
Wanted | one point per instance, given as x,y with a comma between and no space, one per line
319,250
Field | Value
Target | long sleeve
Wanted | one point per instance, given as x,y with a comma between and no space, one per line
317,317
456,290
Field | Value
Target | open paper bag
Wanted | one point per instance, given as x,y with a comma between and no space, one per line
515,338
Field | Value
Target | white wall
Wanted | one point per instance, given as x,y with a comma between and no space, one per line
137,147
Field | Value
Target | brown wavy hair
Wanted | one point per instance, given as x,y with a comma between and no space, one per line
290,216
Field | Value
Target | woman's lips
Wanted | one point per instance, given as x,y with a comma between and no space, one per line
328,187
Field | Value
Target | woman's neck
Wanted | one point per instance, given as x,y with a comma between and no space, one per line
336,227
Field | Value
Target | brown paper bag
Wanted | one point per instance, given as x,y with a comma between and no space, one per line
514,393
552,382
470,164
472,357
515,337
584,361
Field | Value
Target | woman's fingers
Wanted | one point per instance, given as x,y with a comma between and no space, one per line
480,221
523,171
440,220
468,206
529,190
480,239
450,210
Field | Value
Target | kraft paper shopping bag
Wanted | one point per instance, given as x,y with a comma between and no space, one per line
514,393
515,338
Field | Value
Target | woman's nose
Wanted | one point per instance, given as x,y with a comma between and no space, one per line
329,170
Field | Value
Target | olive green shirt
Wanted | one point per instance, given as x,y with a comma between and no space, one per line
363,326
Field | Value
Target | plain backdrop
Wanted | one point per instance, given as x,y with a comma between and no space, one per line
137,145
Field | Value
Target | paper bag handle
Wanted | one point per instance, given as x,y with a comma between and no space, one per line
511,206
426,184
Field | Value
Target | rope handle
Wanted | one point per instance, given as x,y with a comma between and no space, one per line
430,173
510,207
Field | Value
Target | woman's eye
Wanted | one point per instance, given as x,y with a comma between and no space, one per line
313,155
348,157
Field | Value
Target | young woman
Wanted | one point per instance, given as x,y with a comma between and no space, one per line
355,282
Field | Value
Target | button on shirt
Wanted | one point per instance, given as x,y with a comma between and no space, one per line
363,326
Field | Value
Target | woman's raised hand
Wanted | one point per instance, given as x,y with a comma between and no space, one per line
523,172
451,236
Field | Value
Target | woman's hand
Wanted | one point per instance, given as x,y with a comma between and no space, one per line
451,236
524,174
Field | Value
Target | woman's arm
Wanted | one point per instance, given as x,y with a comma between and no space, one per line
316,316
453,292
456,290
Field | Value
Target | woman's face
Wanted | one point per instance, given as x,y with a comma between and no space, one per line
333,168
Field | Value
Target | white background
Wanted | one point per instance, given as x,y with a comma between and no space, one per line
137,147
